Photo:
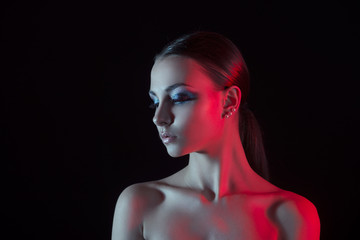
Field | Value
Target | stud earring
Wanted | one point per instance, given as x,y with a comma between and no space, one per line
230,113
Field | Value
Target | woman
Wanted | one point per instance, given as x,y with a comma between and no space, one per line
199,86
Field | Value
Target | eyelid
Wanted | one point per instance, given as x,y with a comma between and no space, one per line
153,97
154,104
184,94
176,98
181,89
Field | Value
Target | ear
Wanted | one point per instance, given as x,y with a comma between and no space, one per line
232,99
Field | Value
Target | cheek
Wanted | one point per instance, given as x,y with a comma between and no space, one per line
202,122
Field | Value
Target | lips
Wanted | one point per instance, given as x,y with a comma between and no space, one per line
167,137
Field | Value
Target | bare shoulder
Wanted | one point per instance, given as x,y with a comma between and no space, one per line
296,216
146,193
131,207
139,198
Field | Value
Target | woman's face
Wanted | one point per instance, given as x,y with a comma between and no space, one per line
188,107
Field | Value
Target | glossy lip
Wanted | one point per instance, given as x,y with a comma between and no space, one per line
167,138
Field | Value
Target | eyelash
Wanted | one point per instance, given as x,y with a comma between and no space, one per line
153,105
180,100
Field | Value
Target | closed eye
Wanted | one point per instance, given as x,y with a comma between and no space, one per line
154,102
182,98
178,98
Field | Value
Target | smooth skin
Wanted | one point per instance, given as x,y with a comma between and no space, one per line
217,195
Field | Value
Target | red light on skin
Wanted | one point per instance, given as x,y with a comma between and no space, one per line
264,227
195,122
218,195
298,217
220,224
143,209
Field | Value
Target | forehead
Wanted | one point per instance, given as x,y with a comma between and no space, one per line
178,69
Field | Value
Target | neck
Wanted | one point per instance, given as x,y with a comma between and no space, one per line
222,171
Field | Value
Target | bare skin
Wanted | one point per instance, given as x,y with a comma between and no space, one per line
218,195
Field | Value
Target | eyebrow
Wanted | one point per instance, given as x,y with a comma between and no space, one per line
172,87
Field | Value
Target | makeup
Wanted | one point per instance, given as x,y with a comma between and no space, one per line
177,96
182,97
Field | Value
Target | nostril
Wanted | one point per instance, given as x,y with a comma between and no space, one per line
156,121
160,121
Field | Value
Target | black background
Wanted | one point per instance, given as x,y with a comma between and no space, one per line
76,128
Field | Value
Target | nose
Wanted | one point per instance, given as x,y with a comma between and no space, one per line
163,116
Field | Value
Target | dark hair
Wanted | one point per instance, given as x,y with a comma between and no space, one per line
224,63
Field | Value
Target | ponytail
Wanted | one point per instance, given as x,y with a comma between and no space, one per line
252,141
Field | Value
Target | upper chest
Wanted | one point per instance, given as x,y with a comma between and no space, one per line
182,216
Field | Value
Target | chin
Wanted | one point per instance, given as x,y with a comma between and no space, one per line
176,152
